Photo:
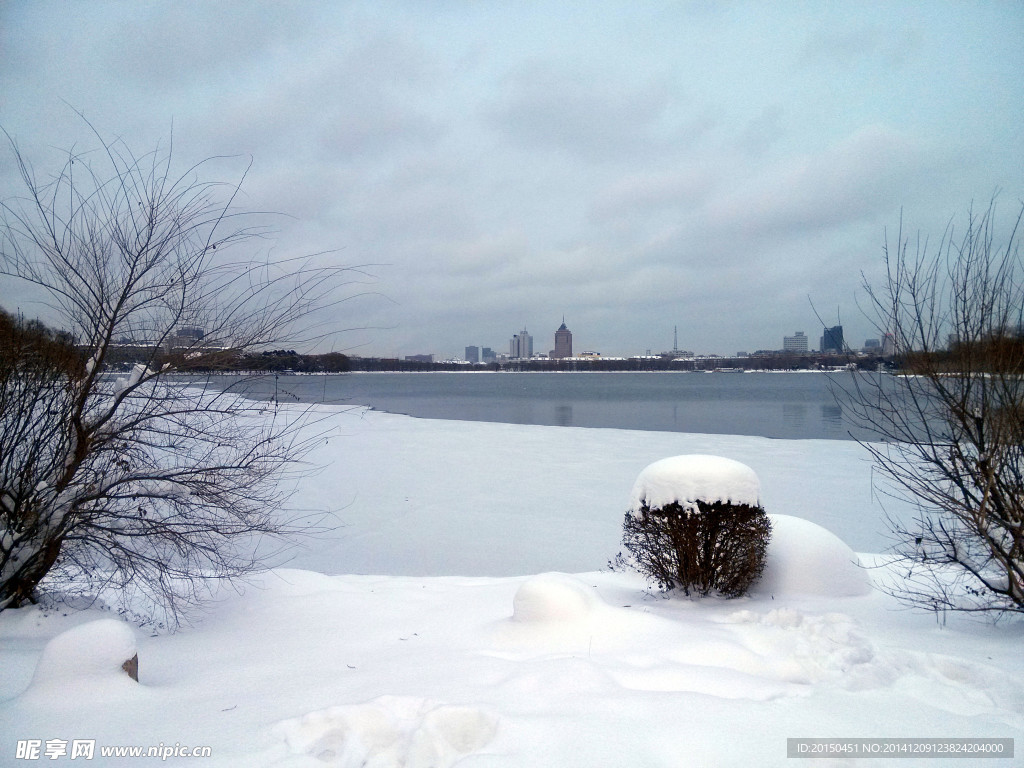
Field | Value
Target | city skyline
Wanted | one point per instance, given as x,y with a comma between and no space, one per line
730,168
832,339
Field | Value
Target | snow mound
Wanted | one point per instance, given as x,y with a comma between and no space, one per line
804,558
553,597
389,732
695,477
89,652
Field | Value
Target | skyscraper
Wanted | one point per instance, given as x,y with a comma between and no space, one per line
888,345
521,346
472,354
563,341
832,340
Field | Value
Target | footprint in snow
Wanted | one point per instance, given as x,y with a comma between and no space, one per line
389,732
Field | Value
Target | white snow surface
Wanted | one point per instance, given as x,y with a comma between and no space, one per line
461,617
805,559
695,477
93,650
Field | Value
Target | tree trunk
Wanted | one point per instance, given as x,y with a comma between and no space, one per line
20,589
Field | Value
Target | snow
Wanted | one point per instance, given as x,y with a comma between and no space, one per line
690,478
84,663
404,732
93,650
806,559
552,597
462,617
121,383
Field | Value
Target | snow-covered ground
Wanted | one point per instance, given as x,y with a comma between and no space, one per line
459,614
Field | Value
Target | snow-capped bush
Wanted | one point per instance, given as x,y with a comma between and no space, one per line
695,523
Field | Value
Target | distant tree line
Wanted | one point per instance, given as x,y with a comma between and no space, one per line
757,362
998,354
30,342
201,359
198,359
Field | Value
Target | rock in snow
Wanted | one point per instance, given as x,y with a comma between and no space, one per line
690,478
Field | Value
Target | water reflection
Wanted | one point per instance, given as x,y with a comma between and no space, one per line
832,417
563,415
794,415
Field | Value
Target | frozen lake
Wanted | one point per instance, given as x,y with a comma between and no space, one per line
778,405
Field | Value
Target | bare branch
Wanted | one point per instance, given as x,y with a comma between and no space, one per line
950,419
146,482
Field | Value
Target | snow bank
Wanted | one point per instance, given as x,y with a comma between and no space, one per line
696,477
87,657
805,559
553,597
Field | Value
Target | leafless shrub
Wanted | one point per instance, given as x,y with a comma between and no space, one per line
950,424
146,482
699,548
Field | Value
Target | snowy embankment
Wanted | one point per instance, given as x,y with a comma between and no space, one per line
460,644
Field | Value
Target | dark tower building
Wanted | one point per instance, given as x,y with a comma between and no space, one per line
563,341
832,340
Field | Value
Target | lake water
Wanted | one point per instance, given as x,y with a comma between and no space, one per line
779,405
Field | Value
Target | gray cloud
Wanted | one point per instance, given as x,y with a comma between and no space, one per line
633,166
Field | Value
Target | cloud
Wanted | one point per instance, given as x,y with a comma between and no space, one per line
588,112
709,166
857,178
890,43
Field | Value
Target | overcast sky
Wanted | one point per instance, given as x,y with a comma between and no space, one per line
632,166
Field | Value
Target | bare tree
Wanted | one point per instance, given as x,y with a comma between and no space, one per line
951,418
149,484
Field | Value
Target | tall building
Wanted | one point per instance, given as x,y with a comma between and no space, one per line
488,355
795,343
563,341
832,340
888,345
185,337
521,346
472,354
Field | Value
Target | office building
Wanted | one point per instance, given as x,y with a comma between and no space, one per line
521,346
832,340
563,341
888,345
795,343
185,338
472,354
